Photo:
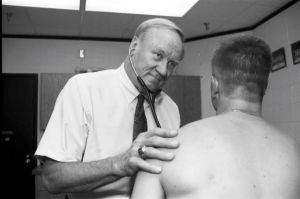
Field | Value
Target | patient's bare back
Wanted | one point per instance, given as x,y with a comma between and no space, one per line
233,155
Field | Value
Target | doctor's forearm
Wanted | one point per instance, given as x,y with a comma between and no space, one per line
61,177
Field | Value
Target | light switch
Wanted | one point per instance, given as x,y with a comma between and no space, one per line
81,53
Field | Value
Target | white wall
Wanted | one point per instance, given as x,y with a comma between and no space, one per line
281,104
59,56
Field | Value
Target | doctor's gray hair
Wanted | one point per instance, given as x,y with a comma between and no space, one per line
158,23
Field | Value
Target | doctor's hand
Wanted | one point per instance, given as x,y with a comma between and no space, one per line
147,145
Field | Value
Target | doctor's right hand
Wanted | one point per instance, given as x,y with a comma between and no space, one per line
147,145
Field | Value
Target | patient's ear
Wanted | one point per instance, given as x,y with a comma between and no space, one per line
214,85
214,91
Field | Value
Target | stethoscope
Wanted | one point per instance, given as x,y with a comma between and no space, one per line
149,98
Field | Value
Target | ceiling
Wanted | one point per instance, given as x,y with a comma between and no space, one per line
205,19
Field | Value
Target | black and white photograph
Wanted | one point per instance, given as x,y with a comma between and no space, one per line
278,59
295,47
150,99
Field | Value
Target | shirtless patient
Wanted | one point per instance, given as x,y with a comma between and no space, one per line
236,154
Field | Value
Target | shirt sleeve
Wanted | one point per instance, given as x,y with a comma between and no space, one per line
66,133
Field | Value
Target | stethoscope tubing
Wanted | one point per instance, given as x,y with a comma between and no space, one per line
147,93
149,100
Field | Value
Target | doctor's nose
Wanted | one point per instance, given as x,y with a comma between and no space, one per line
162,68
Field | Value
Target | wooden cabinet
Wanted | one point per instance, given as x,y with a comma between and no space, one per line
184,90
51,85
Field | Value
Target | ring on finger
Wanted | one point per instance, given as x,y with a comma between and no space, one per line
141,151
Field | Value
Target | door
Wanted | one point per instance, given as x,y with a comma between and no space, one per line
18,135
186,93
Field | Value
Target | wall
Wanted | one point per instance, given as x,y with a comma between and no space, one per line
281,104
59,56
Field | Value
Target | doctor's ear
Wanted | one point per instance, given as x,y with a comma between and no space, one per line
133,45
130,51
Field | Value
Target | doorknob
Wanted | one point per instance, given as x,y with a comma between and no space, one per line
7,135
27,159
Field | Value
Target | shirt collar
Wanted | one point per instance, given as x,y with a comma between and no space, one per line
131,92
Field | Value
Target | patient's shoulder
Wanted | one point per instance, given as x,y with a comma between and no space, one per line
203,128
199,136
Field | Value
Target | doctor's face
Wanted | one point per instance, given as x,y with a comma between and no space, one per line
157,54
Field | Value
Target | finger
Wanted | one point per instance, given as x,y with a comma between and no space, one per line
145,166
159,142
153,153
162,133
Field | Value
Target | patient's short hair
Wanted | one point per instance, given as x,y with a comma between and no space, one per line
245,62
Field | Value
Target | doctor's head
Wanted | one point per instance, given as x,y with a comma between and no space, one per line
156,50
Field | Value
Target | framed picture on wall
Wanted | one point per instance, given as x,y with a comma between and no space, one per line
296,52
278,59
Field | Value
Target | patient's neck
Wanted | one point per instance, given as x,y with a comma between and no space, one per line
227,105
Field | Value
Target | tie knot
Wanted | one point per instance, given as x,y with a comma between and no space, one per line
152,95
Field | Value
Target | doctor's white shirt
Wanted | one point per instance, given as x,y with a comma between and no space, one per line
93,119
